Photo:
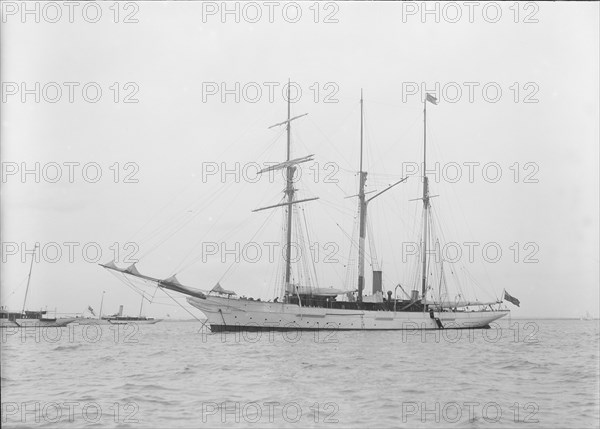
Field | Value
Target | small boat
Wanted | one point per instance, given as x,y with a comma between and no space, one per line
119,319
26,318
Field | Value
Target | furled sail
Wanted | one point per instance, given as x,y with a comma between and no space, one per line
219,289
459,304
319,291
171,283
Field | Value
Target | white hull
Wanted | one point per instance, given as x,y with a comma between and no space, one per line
133,322
38,323
232,314
89,321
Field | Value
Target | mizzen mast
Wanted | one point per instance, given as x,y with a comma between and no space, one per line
426,197
363,202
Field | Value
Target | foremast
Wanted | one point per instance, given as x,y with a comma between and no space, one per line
290,168
289,191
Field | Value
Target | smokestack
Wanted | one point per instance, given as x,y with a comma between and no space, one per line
120,310
377,282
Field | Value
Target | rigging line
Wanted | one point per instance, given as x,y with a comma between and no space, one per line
186,221
334,221
339,276
163,304
309,246
168,223
182,266
349,170
351,261
329,197
205,203
417,227
151,218
417,261
253,124
437,149
154,294
281,262
182,220
300,266
367,139
125,279
490,287
310,264
352,242
340,188
429,267
339,208
201,205
389,236
195,260
385,177
398,139
274,275
18,286
128,281
252,238
179,304
402,106
170,235
374,261
326,138
273,141
318,268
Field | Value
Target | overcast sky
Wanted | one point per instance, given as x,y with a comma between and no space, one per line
518,99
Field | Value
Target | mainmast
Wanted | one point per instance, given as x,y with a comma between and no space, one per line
362,211
363,202
29,278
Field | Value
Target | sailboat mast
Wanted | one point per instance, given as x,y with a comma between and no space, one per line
289,190
29,279
141,305
101,304
425,204
362,210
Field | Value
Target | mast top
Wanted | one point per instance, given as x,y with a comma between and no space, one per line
361,130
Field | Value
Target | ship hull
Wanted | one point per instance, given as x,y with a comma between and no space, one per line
108,321
225,314
36,323
132,321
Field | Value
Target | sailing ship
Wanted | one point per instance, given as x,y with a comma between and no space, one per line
27,318
309,307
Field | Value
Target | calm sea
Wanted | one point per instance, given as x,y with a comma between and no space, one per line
526,373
